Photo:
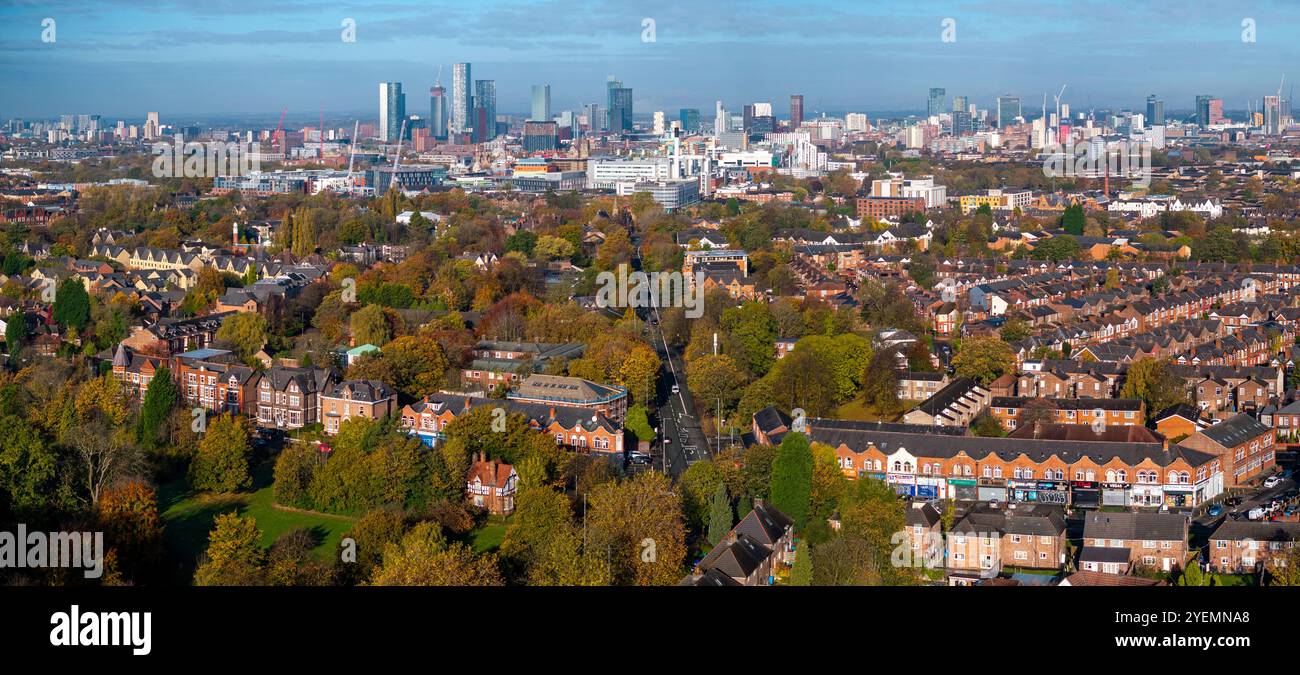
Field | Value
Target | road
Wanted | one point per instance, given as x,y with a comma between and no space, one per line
678,425
1204,524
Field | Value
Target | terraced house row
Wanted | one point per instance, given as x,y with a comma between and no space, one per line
919,462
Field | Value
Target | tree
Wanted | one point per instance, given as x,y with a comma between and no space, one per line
159,400
221,464
1155,382
543,543
714,377
234,557
844,561
720,517
425,558
880,382
984,359
28,467
245,331
636,525
1285,569
414,366
128,514
15,334
752,327
370,326
987,426
1073,220
791,482
72,304
1014,330
1193,575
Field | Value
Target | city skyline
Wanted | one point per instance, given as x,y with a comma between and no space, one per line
130,59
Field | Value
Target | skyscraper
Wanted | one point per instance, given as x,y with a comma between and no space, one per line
1008,110
937,102
959,104
438,111
719,119
462,99
485,110
1155,111
620,105
1272,108
392,110
690,119
796,110
541,103
748,116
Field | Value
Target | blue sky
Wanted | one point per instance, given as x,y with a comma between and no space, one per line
121,58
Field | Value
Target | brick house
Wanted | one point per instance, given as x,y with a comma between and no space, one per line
368,399
752,552
572,392
1243,546
1152,540
491,485
1243,444
572,427
989,537
289,398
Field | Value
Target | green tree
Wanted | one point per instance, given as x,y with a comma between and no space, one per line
720,517
1155,382
370,326
1073,220
754,330
1193,575
28,467
15,334
234,557
245,331
72,304
792,474
159,401
221,464
425,558
984,359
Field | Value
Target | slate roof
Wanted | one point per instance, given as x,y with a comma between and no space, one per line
1235,431
1104,554
1236,530
1135,526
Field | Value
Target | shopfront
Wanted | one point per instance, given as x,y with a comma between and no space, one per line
1085,494
903,483
929,488
1180,495
1115,494
962,489
992,489
1148,495
1038,492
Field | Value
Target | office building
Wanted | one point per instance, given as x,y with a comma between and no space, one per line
485,110
690,119
541,103
1155,111
937,103
392,110
1272,108
540,136
438,111
796,110
619,105
1008,110
462,100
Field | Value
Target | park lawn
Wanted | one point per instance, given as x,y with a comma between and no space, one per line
188,516
488,537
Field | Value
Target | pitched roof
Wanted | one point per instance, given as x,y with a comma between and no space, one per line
1235,431
1135,526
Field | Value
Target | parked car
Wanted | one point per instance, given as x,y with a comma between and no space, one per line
1216,510
1272,481
676,389
1256,514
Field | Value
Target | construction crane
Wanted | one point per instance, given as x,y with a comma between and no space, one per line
275,140
397,156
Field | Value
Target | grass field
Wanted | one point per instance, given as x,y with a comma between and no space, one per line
188,517
858,411
488,537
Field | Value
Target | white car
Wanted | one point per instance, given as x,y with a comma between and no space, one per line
676,389
1272,481
1256,514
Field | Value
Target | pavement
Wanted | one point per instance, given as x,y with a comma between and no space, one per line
686,443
